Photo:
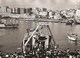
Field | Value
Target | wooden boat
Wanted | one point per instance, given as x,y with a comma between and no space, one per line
35,39
77,21
72,37
69,22
9,23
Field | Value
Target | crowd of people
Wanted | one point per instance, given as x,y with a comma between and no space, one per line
41,53
52,54
11,55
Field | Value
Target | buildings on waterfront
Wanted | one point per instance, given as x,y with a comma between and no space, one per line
40,12
9,10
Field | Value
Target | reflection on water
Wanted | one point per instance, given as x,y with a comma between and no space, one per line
11,39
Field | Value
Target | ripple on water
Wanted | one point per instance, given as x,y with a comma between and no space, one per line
2,32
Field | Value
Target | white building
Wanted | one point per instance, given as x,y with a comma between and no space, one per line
3,10
8,10
77,13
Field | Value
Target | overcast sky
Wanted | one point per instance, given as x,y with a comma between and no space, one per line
53,4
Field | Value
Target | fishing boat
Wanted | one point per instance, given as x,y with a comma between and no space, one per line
69,22
9,23
77,21
2,25
72,37
8,26
37,39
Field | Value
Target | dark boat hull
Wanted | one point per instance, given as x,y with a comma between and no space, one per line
69,22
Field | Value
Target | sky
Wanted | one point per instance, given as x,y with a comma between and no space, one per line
50,4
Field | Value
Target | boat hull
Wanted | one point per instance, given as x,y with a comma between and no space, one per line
71,38
70,22
77,22
8,26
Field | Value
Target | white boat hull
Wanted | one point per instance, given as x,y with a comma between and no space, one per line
2,25
71,38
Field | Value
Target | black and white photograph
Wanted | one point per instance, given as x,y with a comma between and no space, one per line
39,28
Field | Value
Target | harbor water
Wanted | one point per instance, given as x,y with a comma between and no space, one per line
11,39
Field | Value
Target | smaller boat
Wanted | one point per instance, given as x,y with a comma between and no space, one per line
77,21
9,23
72,37
69,22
